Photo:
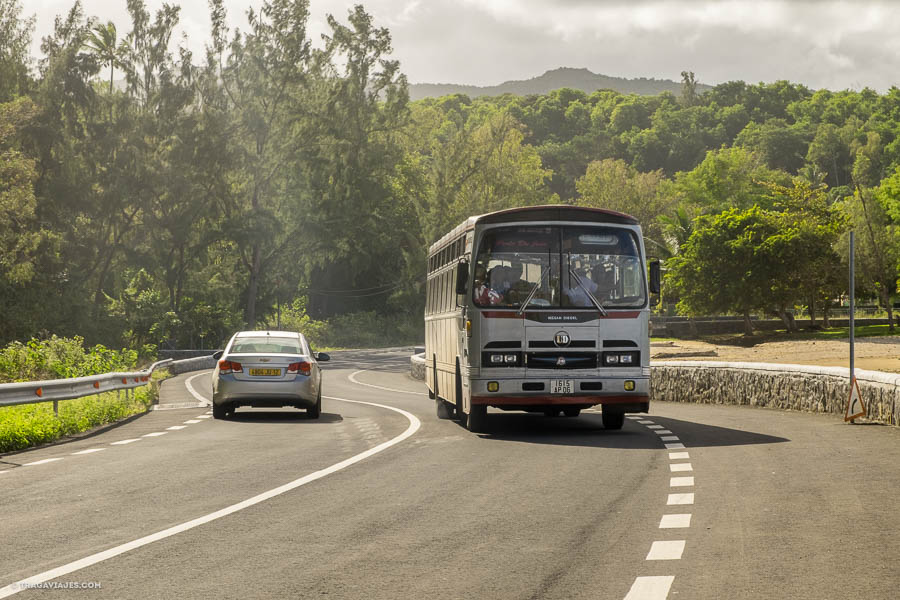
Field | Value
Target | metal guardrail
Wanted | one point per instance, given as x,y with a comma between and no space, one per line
32,392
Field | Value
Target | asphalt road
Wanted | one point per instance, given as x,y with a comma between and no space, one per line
386,502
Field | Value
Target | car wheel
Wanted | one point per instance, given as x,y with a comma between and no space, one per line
571,412
444,410
478,418
613,420
313,413
218,411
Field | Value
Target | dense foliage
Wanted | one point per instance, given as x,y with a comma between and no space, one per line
277,178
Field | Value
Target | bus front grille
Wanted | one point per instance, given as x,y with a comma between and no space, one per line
559,360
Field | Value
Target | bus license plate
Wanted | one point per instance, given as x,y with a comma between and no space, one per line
561,386
266,372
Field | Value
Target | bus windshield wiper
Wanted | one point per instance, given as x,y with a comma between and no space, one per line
533,291
588,292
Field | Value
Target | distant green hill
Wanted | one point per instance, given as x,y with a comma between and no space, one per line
579,79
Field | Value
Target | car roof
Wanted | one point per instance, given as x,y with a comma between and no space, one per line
265,332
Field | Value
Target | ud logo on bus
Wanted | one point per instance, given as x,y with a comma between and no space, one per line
561,339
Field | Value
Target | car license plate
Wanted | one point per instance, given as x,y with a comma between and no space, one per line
266,372
561,386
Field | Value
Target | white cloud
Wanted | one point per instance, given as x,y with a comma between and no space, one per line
484,42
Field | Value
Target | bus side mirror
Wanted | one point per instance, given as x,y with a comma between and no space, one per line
655,280
462,277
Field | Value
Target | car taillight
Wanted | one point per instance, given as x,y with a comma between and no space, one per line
229,366
299,367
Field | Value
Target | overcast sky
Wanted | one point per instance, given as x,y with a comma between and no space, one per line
835,45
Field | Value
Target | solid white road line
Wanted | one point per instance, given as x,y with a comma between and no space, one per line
679,456
89,451
669,550
155,434
41,462
378,387
680,467
176,427
192,391
681,482
674,446
123,442
414,425
680,499
675,521
650,588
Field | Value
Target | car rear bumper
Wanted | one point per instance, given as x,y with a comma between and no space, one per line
268,394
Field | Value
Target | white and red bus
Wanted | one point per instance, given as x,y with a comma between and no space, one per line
541,309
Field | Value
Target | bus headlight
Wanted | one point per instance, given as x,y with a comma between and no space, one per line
501,359
612,359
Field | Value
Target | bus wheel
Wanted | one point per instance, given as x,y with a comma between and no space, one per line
572,412
613,420
478,418
444,410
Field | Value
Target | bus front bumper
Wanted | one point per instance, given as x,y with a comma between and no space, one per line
520,394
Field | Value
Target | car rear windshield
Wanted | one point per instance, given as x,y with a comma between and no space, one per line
267,345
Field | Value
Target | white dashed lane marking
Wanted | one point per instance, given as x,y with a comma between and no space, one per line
675,521
650,588
175,427
680,467
657,587
118,443
680,499
41,462
681,482
670,550
192,421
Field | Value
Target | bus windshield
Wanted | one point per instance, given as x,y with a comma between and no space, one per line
562,265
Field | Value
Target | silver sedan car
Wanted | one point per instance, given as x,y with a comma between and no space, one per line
267,368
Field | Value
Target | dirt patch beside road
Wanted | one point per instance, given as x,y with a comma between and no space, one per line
874,354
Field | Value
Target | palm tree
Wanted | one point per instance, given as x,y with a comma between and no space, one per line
101,40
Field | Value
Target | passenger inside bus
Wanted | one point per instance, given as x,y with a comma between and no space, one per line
484,293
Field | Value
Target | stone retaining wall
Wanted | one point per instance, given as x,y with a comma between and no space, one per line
789,387
417,366
201,363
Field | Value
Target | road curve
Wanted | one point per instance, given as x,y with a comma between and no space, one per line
756,504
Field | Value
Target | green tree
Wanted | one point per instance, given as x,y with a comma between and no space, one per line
15,62
263,75
102,41
722,268
612,184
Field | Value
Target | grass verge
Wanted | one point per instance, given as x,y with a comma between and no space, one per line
30,425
